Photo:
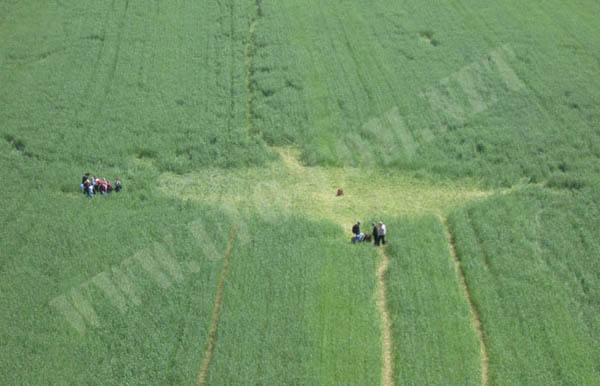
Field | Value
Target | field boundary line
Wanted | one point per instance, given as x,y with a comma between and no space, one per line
387,358
249,53
476,318
94,69
212,331
232,64
115,61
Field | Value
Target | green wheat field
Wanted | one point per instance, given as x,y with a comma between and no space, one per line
471,128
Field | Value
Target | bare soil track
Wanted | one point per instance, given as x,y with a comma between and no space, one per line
212,332
485,380
387,358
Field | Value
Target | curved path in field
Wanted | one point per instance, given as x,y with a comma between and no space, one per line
212,332
387,358
485,381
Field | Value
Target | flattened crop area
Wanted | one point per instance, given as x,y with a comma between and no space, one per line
469,129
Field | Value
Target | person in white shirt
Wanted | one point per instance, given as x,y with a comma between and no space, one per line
382,232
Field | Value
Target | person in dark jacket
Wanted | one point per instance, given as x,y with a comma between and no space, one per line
356,231
375,234
84,186
356,228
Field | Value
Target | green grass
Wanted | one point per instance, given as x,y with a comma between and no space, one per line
145,327
254,114
298,308
356,85
531,261
127,78
434,339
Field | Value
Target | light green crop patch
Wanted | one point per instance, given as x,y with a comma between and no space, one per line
287,187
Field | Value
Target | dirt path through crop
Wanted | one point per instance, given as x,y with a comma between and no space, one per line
212,331
485,381
387,368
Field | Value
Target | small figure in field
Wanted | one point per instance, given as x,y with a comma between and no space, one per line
103,186
356,232
99,185
90,186
90,191
382,232
359,238
356,228
375,234
340,192
85,181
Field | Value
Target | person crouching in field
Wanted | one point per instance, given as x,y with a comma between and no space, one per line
118,185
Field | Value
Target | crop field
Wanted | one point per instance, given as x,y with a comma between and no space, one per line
472,129
531,260
435,342
320,324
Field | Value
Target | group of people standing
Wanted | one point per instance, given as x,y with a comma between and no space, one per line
378,234
90,186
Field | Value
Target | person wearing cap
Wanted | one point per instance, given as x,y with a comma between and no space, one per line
382,232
